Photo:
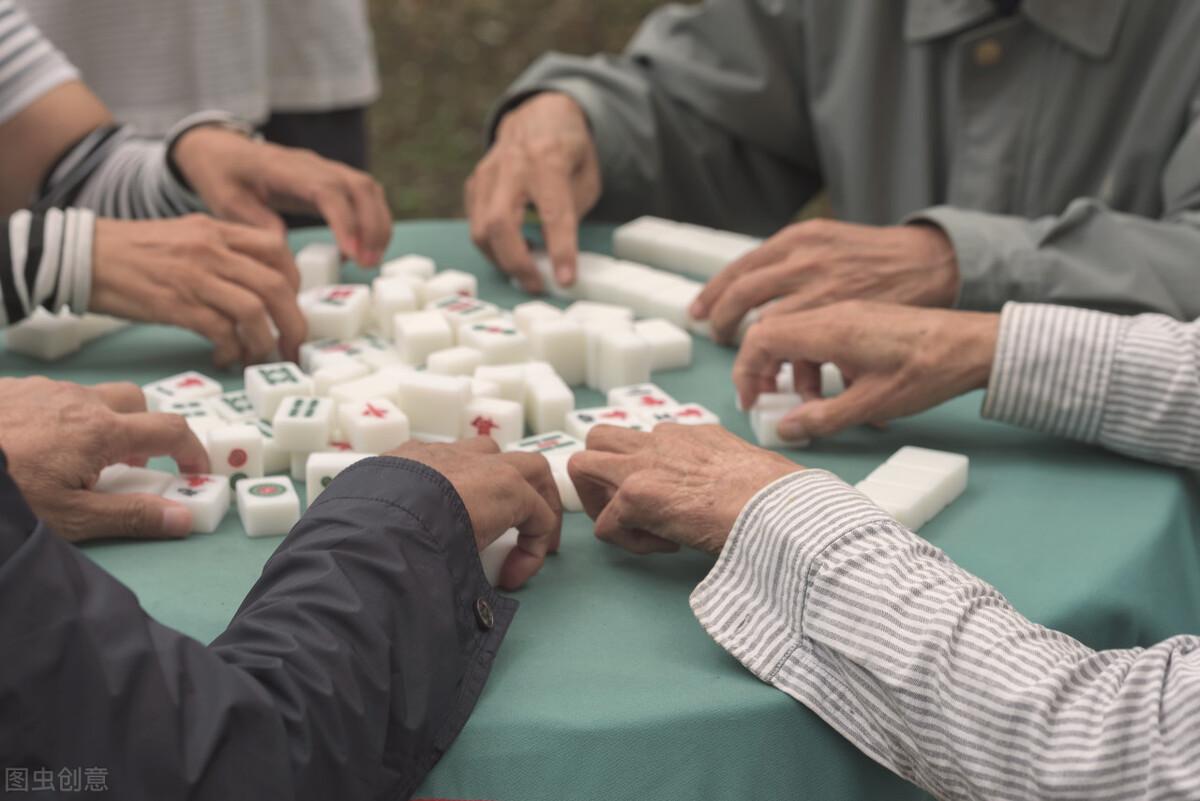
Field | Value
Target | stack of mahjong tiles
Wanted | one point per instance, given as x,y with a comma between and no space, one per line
50,337
416,355
915,484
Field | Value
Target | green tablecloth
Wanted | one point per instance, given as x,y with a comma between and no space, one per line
607,688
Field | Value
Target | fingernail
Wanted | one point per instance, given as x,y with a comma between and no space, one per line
697,311
792,430
176,521
562,275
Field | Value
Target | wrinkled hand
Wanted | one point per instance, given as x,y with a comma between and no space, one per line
818,262
501,491
59,436
677,485
896,360
248,182
544,155
222,280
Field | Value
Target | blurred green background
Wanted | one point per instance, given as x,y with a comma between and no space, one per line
444,62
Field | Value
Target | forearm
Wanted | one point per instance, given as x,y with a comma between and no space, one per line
1088,256
45,261
1131,384
929,670
346,672
700,119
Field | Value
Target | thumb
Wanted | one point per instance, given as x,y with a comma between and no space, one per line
862,402
134,516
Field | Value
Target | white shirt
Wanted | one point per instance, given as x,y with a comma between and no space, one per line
154,62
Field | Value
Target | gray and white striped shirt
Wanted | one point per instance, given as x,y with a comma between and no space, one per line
46,250
928,669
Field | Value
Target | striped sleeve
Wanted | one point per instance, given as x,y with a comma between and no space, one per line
930,671
117,173
29,65
112,171
1131,384
45,260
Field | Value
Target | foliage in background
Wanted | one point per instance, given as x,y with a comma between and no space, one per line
443,64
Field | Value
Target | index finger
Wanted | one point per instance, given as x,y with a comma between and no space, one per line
598,475
142,435
536,471
616,439
374,216
537,533
265,246
766,253
802,338
121,396
555,204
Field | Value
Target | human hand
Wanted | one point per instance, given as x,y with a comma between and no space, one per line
677,485
222,280
544,155
500,491
59,436
246,181
818,262
896,360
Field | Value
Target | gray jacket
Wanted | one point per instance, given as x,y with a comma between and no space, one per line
1059,148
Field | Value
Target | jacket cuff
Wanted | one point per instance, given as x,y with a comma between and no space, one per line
431,499
994,255
1053,368
752,602
19,521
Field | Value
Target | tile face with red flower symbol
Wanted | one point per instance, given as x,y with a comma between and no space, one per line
206,496
189,386
644,397
581,421
688,414
502,420
373,426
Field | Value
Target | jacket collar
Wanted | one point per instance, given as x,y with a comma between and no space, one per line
1089,26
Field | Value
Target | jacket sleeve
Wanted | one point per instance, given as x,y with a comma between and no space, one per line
702,118
346,673
1089,255
1130,384
930,671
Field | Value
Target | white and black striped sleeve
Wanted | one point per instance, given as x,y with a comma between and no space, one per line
112,171
45,260
930,671
117,173
1131,384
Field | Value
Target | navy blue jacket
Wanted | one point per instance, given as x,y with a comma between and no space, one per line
346,673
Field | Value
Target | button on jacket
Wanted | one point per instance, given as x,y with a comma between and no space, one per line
1058,147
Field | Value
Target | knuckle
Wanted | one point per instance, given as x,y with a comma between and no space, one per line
544,149
818,227
274,283
128,519
250,309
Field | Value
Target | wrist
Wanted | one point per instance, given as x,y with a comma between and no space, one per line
936,256
980,333
203,133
